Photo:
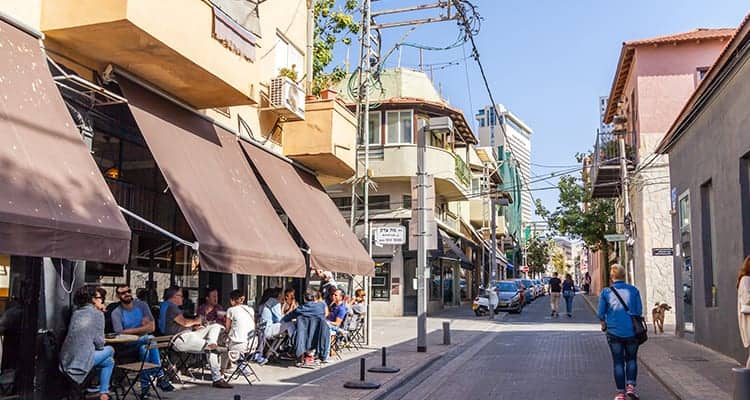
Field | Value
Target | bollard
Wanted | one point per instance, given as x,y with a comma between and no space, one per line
361,383
741,383
384,369
446,332
237,397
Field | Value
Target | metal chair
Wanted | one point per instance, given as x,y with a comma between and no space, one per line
131,373
244,359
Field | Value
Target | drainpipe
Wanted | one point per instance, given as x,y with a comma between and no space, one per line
310,41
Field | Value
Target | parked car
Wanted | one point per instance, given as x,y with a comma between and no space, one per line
540,287
529,283
509,297
545,282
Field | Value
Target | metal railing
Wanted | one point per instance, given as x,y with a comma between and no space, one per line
607,153
462,171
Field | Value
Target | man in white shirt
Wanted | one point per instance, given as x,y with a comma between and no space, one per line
239,323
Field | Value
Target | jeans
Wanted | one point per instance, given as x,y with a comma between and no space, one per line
104,361
152,357
196,342
624,353
569,303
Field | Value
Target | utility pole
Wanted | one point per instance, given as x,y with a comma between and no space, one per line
625,200
370,62
493,207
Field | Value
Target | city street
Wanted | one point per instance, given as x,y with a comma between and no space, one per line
531,357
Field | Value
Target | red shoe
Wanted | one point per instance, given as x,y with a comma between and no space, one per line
630,391
620,396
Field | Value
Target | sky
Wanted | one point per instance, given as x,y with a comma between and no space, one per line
547,61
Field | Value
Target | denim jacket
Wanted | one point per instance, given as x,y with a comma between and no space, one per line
612,312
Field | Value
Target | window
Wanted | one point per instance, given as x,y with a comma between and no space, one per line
381,202
342,203
407,202
288,56
708,236
701,71
374,127
398,126
684,209
381,290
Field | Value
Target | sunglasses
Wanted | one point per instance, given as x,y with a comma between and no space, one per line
99,297
125,292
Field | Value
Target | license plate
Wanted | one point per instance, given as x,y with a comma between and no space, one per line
503,304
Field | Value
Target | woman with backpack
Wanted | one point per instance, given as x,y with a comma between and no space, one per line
619,308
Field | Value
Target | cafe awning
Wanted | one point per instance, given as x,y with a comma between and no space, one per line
333,246
454,251
53,199
237,228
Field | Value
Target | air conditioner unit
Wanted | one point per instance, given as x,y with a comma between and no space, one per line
287,99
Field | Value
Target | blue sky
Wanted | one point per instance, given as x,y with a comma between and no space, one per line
549,61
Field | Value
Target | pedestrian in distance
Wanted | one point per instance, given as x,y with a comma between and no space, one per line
493,300
617,303
569,293
743,305
555,288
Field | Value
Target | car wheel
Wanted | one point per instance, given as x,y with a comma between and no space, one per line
478,313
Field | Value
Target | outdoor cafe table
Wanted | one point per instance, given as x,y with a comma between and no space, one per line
121,339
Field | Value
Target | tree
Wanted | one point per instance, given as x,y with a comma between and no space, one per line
537,255
558,260
331,27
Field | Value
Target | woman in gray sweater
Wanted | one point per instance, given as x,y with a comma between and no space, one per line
83,348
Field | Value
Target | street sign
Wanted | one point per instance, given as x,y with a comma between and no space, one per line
661,252
525,268
615,237
390,235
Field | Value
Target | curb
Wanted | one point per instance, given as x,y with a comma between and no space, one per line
395,383
670,388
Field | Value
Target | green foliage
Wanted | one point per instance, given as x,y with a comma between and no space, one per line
538,254
578,215
290,73
331,27
558,261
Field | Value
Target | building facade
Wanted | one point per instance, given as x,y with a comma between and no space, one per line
157,160
709,159
654,77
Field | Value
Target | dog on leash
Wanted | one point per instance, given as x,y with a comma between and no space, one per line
657,315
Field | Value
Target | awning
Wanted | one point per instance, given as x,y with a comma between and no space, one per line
53,199
333,246
454,252
237,229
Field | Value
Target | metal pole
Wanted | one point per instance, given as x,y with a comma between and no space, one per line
421,245
368,315
310,43
625,201
493,208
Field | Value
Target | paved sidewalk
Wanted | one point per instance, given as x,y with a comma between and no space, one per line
397,334
688,370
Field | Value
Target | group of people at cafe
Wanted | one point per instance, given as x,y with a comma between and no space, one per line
223,335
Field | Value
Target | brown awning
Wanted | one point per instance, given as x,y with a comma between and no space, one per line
53,199
333,246
238,230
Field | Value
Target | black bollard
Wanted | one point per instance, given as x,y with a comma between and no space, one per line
361,383
384,369
741,383
237,397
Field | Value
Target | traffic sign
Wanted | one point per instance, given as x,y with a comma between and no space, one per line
525,268
615,237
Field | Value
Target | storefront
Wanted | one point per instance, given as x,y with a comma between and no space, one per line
135,188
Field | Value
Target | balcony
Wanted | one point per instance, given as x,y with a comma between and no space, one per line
399,162
605,167
477,216
325,141
182,46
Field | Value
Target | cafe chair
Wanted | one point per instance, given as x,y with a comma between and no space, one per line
131,373
244,359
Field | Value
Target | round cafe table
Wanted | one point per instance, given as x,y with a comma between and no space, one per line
121,339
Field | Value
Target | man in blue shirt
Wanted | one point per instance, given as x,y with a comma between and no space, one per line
616,321
133,317
338,310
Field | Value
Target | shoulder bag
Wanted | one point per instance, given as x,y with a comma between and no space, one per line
639,324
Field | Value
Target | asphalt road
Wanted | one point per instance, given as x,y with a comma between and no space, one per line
532,356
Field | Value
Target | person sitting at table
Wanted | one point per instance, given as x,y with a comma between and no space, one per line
327,284
338,311
240,323
312,330
211,310
290,301
83,348
133,317
358,305
185,339
270,315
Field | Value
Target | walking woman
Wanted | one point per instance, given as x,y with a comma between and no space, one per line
569,293
83,348
743,305
616,305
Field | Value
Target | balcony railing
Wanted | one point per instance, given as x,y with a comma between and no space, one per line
462,171
607,157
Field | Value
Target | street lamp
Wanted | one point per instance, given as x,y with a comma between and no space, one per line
435,124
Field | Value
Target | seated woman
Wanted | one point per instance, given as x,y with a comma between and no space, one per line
240,323
358,305
290,301
313,333
83,349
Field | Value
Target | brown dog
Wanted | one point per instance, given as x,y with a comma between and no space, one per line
657,314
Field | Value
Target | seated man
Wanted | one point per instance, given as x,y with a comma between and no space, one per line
312,330
338,310
240,323
133,317
211,310
192,341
